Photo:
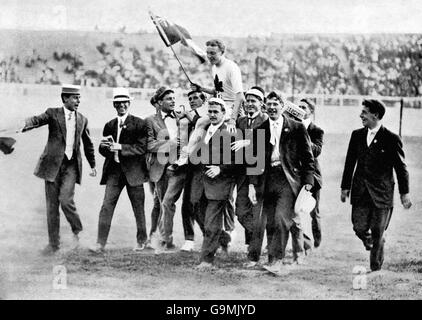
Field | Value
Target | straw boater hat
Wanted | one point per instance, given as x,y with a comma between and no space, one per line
71,89
121,94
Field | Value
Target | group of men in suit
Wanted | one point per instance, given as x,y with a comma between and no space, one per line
269,155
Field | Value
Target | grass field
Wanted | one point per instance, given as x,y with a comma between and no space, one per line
122,274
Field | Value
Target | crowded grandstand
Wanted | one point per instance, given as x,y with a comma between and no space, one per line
386,65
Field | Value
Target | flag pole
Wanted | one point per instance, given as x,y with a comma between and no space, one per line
180,63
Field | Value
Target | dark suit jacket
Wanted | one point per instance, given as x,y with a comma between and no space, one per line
160,151
220,187
133,139
51,159
242,124
316,134
295,154
371,168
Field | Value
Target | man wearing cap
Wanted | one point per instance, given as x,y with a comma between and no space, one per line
247,124
190,214
213,181
60,165
124,149
162,145
289,167
156,209
316,134
373,153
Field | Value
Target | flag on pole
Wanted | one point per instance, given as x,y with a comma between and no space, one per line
172,33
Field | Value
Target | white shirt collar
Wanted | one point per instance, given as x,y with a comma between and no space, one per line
279,121
202,110
212,129
307,122
375,130
123,118
254,115
67,112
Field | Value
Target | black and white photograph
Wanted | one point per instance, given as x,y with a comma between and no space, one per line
224,150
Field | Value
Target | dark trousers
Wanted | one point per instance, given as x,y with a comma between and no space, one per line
278,205
175,186
156,209
157,221
116,181
229,215
190,213
61,193
369,218
244,207
214,235
316,220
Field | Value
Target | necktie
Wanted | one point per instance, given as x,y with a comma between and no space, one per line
70,116
371,136
250,120
169,115
119,131
273,138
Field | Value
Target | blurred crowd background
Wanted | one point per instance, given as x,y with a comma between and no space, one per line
387,65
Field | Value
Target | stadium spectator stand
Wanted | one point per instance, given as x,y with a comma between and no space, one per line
387,65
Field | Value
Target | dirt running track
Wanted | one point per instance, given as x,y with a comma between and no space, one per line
122,274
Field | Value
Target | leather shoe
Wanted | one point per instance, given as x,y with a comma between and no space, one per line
99,248
49,250
139,247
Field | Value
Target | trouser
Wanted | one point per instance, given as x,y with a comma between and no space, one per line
244,207
369,218
155,212
189,214
278,205
61,193
214,235
157,222
229,215
116,181
176,183
316,220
